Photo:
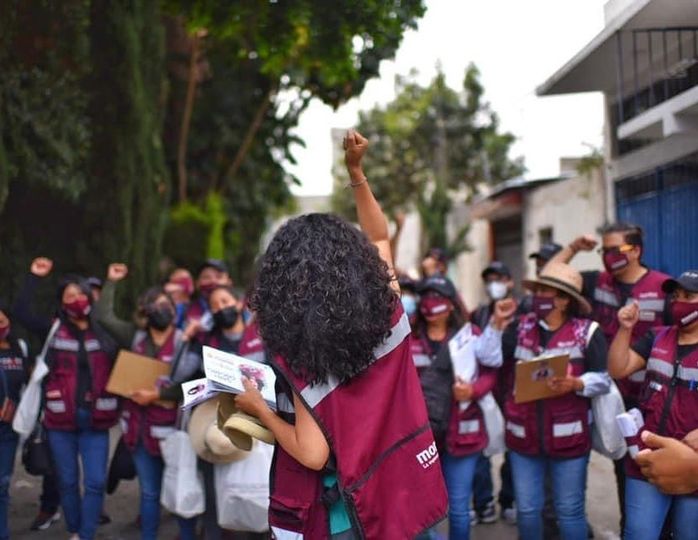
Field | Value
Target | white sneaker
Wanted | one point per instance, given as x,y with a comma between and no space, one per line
509,515
473,517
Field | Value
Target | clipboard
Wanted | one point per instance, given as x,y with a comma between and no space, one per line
531,382
133,372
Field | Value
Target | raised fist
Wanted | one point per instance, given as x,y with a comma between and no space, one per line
355,146
629,315
117,272
584,243
504,311
41,266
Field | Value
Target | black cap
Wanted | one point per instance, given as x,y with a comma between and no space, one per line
93,282
438,254
73,279
496,267
688,281
216,264
440,284
546,252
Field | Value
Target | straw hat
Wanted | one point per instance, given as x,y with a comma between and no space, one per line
564,278
208,441
240,428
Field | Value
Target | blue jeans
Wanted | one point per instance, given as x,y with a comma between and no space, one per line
646,508
92,446
483,490
459,473
569,489
149,470
8,448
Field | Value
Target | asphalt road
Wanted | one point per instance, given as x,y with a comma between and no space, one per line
122,507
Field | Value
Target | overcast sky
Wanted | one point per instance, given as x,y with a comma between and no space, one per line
516,45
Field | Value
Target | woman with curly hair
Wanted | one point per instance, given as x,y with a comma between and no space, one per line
355,456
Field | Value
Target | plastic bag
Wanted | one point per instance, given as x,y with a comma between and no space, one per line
494,424
242,490
606,438
182,486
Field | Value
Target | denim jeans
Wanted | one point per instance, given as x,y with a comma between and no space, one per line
569,490
92,446
149,470
8,448
459,473
483,490
646,508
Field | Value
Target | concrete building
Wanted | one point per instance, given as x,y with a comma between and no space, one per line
645,61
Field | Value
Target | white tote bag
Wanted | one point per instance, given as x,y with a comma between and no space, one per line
606,438
494,424
182,486
27,412
242,490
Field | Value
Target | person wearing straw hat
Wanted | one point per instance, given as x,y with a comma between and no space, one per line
554,434
351,425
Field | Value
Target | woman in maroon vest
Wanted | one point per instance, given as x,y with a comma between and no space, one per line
554,434
355,457
669,403
78,411
144,422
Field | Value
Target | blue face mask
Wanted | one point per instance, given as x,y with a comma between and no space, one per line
409,304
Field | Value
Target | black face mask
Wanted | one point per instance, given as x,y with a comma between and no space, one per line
160,318
226,317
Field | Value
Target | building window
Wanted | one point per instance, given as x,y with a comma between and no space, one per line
545,235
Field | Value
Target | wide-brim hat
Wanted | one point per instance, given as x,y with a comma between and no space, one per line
564,278
240,428
208,441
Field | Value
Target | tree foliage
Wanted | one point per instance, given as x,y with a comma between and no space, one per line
430,145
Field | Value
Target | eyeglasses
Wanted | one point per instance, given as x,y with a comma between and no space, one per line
624,248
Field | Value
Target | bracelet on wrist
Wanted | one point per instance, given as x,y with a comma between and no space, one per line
356,184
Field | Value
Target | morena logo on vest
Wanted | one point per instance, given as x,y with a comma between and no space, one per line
428,457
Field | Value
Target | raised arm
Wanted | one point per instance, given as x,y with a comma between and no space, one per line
582,243
622,360
37,324
122,331
371,218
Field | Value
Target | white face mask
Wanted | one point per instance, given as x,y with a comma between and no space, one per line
497,290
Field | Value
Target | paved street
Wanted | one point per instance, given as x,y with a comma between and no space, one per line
123,509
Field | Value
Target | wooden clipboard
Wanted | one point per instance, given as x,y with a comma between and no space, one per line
133,372
531,382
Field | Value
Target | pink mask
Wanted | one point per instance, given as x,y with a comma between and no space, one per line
4,332
543,305
434,305
78,309
684,313
614,261
186,284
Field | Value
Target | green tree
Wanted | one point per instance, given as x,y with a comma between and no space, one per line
431,145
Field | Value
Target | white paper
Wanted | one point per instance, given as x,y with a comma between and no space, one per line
462,349
195,392
225,371
630,423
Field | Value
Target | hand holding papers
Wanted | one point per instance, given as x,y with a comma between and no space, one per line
462,350
630,424
532,376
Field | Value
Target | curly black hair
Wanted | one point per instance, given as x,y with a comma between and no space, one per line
323,298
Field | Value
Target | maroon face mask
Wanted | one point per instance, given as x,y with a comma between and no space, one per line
78,309
431,306
614,261
543,305
4,332
684,313
206,289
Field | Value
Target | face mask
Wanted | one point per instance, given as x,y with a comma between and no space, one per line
4,332
186,284
226,317
434,305
207,289
409,304
160,318
543,305
497,290
684,313
78,309
614,261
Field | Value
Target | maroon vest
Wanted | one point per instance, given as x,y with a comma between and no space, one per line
669,402
61,383
387,465
607,301
251,345
151,422
556,427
